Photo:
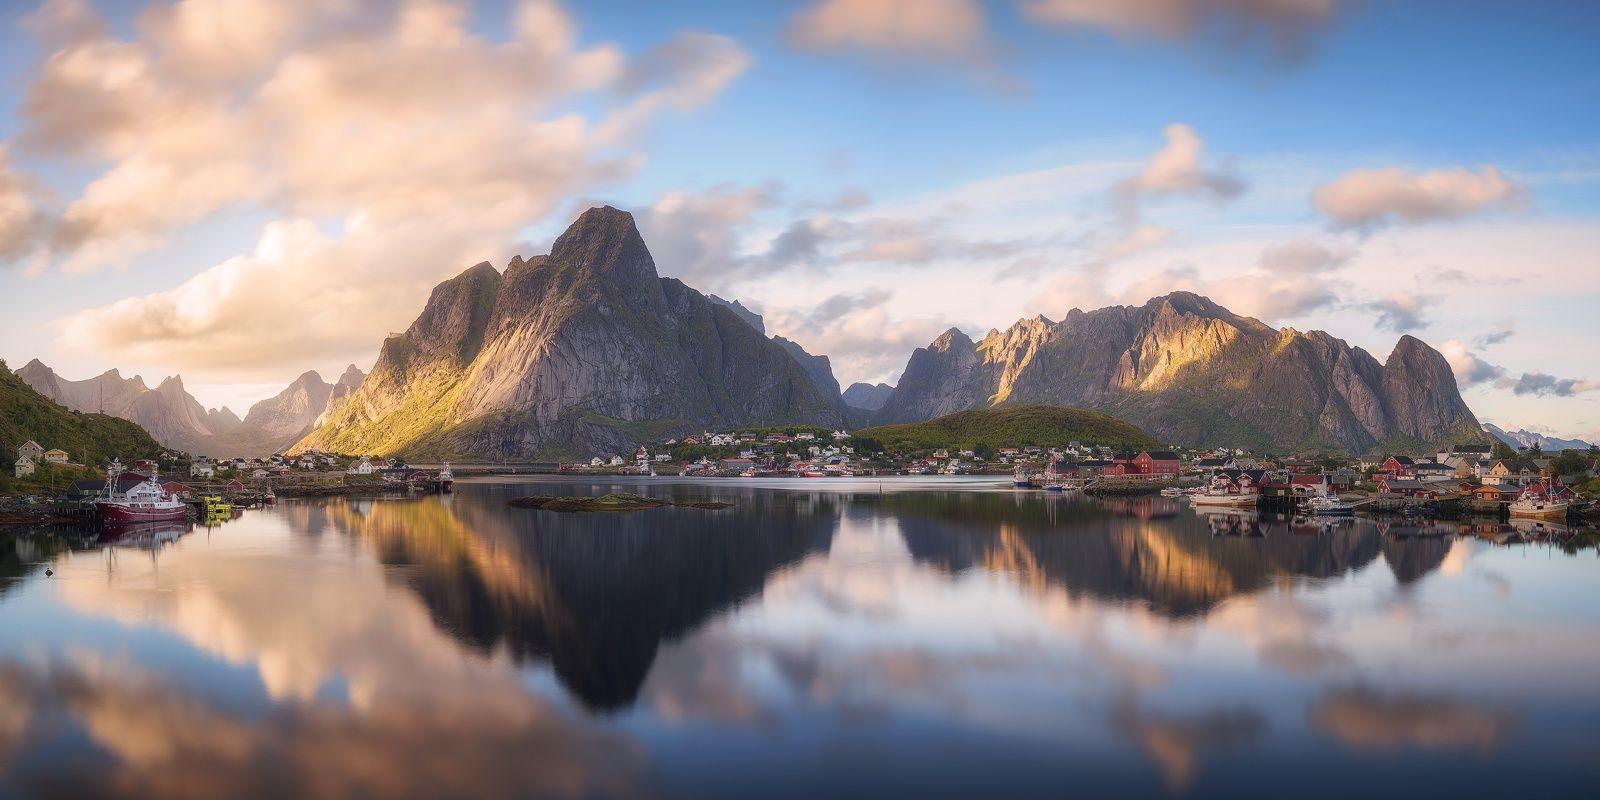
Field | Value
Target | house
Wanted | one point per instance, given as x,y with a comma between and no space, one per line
596,462
1158,463
660,457
1408,487
362,466
202,468
1495,493
1512,472
615,461
176,488
1212,464
1397,466
736,464
1340,480
722,440
93,487
25,466
55,456
32,450
262,474
233,486
1431,470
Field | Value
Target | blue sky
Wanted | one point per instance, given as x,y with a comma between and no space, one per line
962,163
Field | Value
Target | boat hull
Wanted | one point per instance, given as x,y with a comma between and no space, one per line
1558,514
112,512
1228,501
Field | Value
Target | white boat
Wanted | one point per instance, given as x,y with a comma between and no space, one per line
1223,500
1539,507
1329,505
1172,491
447,479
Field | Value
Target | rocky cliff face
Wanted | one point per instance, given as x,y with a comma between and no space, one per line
867,396
584,351
168,412
1194,373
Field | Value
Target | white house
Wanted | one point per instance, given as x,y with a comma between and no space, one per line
55,456
722,439
660,457
25,466
201,468
596,462
31,450
363,466
616,461
261,474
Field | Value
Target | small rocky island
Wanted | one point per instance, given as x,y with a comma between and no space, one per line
616,501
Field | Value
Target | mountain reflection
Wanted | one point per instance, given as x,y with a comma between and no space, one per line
593,594
1178,564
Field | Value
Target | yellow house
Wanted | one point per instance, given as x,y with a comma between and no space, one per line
55,456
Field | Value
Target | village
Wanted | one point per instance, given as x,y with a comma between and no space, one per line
1462,479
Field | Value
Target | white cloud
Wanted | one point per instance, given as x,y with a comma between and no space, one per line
1176,169
1371,197
20,215
1400,312
431,144
1287,25
1470,370
923,28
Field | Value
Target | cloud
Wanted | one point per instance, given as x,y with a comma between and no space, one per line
20,214
1287,26
1362,717
1400,312
1503,330
425,146
1375,197
1542,385
1470,370
856,331
918,28
1176,170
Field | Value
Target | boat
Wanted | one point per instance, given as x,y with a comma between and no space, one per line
813,473
215,505
1020,479
1213,499
1537,506
1055,487
1329,505
447,479
1172,491
144,502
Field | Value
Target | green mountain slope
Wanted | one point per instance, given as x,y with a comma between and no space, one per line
1012,426
90,439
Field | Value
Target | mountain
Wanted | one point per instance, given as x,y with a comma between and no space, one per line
1526,439
274,424
583,351
1012,426
866,396
168,412
91,439
1194,373
818,368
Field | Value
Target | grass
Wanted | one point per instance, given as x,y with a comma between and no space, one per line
1011,426
89,439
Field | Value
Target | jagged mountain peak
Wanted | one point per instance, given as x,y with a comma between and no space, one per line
352,377
949,339
606,240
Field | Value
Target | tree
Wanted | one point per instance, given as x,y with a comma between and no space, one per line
1503,451
1570,462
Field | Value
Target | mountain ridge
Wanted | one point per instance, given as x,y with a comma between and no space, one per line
1194,373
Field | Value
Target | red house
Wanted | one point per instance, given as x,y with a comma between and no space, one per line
176,488
1397,466
1407,488
1157,463
234,485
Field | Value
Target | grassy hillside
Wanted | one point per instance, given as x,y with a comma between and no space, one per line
88,438
1011,426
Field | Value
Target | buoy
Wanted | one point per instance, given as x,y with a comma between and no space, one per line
48,572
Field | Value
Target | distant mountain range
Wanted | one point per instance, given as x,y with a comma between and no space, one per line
171,415
1527,439
867,396
1194,373
588,350
89,439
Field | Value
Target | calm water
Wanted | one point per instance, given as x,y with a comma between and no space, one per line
806,643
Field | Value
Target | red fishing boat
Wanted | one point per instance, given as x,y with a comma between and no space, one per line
143,502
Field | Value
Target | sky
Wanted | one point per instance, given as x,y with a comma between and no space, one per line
238,191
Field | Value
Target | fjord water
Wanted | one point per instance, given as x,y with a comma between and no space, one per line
820,638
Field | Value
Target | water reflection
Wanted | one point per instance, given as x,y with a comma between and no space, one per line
803,643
